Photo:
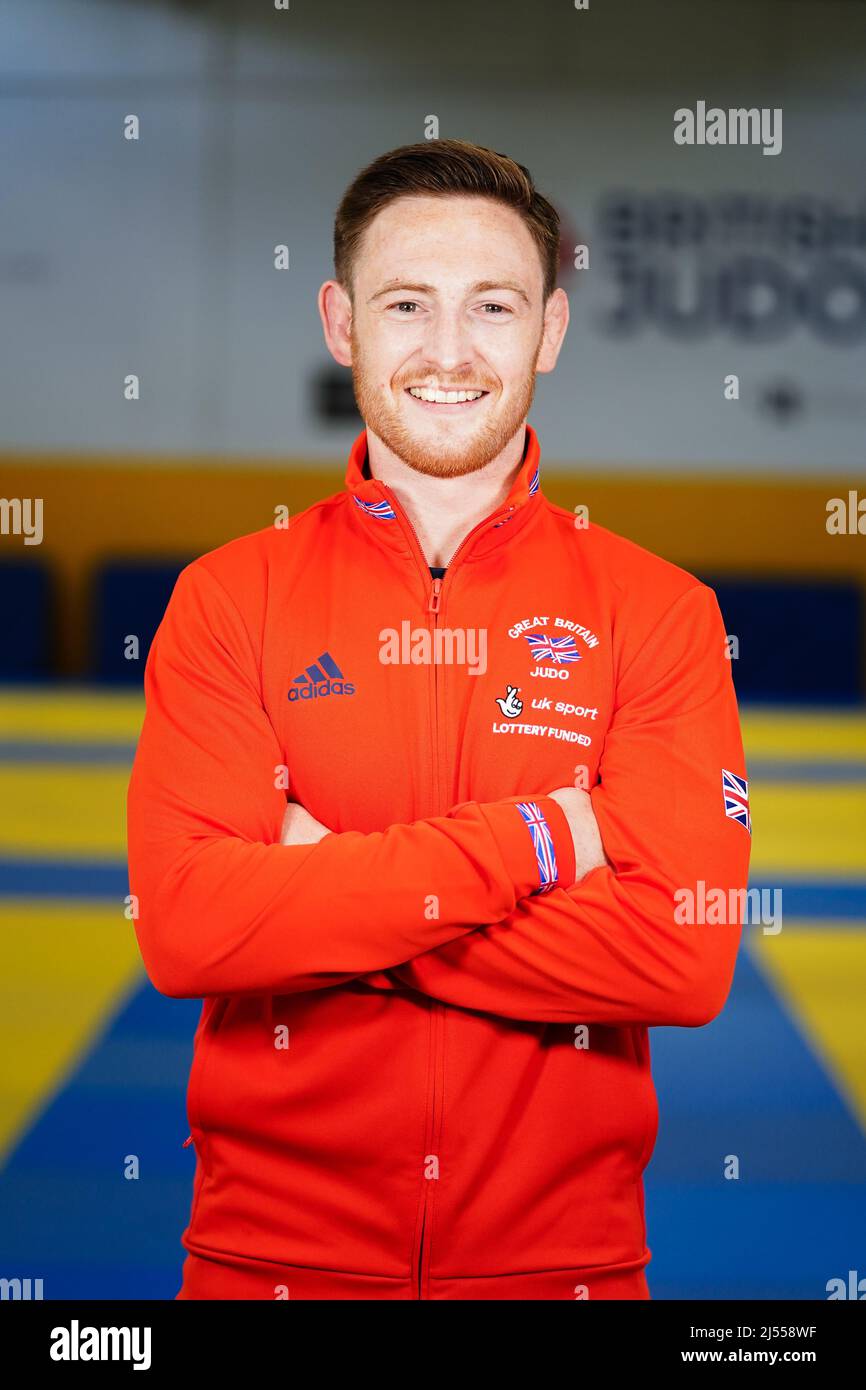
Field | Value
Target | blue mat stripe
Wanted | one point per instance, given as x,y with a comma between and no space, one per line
122,753
840,901
63,752
56,878
852,770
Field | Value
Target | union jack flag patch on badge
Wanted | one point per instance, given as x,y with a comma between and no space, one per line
556,649
735,791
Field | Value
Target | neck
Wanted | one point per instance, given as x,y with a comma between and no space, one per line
443,511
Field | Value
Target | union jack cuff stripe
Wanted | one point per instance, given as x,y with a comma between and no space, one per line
542,842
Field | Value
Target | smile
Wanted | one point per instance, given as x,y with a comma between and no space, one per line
437,400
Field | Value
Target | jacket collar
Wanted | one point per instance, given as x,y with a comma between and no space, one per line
376,504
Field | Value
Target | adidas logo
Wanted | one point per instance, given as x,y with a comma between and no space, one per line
324,677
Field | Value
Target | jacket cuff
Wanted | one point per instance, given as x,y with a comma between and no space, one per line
534,839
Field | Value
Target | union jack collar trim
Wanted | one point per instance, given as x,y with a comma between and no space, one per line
382,510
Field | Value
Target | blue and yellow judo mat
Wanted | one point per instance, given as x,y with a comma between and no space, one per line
94,1063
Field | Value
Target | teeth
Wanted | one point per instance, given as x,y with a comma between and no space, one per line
423,393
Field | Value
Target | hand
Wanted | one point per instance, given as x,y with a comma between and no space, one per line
300,828
585,834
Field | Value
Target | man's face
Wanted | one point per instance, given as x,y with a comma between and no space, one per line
448,296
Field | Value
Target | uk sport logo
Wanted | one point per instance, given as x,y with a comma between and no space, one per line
735,791
322,678
511,705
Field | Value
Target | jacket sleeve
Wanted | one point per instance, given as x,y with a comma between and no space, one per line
612,948
220,906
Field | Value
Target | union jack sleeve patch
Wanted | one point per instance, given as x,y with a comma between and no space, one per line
735,792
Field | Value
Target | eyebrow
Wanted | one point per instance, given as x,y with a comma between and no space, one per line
480,287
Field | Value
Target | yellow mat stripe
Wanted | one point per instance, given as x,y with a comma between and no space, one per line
89,713
803,830
820,971
66,812
66,970
826,736
80,716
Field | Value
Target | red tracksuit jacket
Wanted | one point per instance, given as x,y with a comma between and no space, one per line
422,1067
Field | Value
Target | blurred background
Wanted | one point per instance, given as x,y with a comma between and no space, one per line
154,256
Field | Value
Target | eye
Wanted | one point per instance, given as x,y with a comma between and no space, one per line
404,304
500,309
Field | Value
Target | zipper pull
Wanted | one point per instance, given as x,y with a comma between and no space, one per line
186,1143
433,605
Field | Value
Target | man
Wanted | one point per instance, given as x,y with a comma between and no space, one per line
419,780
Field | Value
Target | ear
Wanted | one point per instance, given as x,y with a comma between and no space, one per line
335,311
555,323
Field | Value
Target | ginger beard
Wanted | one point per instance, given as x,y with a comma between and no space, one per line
439,453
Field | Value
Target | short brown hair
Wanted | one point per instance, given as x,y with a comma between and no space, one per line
442,167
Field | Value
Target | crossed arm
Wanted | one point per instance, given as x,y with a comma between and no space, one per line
222,907
611,948
225,908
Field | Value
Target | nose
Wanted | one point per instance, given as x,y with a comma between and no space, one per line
448,342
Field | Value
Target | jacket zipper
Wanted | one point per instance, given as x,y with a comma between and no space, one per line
434,604
438,1009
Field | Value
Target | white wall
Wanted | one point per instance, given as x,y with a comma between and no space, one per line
155,257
